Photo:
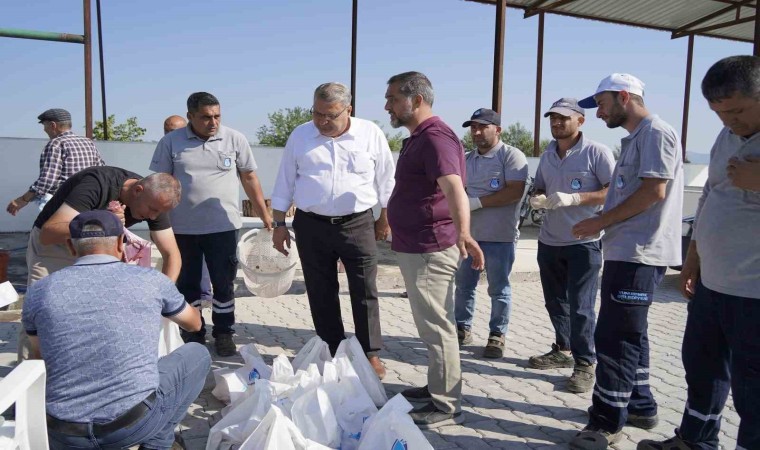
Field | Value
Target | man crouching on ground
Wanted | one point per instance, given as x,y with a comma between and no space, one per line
96,325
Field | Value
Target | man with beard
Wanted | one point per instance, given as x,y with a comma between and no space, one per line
335,169
496,175
430,220
642,225
574,173
720,276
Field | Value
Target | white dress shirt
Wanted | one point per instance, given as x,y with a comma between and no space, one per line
335,176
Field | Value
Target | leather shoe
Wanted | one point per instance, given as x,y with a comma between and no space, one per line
376,364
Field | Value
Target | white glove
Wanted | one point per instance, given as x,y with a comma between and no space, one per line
559,199
474,203
538,201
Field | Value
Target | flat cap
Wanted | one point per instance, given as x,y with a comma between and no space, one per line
55,115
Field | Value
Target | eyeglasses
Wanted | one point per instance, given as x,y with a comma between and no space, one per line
329,117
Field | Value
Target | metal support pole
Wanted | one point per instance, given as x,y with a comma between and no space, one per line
498,54
686,96
87,70
756,49
102,73
353,56
539,80
42,35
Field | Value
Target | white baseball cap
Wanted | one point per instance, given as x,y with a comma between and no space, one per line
616,82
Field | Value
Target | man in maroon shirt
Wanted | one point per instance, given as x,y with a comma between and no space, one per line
429,217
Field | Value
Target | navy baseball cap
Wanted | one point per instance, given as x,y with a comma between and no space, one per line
485,116
55,115
566,106
110,224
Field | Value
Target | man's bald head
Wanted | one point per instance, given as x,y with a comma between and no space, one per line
173,122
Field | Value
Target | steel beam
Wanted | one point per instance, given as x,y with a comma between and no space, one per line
102,73
41,35
354,16
539,80
532,11
686,96
498,55
87,69
756,49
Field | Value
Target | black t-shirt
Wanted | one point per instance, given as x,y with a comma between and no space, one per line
94,188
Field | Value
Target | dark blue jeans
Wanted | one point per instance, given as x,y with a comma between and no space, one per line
220,253
622,344
569,277
721,350
499,257
182,375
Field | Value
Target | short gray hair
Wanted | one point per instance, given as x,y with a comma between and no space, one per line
333,92
63,124
735,74
163,184
411,84
86,246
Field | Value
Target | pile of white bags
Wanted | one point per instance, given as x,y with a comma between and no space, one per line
314,403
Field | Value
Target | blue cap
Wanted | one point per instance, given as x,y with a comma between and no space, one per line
110,224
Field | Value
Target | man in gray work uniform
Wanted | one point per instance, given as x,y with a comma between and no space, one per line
642,226
573,173
208,158
496,175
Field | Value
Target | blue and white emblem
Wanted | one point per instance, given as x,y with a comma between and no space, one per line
620,182
576,184
399,444
227,162
494,183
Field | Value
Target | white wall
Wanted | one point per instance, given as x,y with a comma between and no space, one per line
19,167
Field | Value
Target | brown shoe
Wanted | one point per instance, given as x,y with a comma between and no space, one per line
376,364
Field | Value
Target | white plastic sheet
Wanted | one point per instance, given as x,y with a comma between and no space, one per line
392,428
369,379
314,416
169,337
241,421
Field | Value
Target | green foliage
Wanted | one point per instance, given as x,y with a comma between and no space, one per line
128,131
281,124
395,141
515,135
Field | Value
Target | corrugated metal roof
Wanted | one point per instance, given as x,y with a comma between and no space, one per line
727,19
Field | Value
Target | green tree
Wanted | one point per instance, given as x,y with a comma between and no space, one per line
515,135
395,141
128,131
281,124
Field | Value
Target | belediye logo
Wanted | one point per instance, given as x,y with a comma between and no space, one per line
227,162
399,444
620,182
575,184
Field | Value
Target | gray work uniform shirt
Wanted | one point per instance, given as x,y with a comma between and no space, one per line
652,237
727,225
586,167
487,174
208,172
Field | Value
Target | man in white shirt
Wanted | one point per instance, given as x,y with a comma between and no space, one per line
335,169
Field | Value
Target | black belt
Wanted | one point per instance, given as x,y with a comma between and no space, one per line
99,429
335,220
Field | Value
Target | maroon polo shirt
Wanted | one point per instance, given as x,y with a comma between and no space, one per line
418,212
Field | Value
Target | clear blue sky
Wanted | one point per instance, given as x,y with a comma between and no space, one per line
260,56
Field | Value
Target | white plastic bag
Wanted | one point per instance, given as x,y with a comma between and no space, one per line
169,337
392,428
277,432
355,405
314,351
282,370
314,416
257,368
229,385
243,418
369,379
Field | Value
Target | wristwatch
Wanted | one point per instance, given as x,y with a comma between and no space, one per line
277,224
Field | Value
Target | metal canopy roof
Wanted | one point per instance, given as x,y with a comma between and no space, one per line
726,19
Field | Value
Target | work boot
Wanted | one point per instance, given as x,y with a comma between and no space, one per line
464,335
377,364
428,417
417,394
495,346
582,379
643,422
674,443
224,345
594,438
198,336
554,359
